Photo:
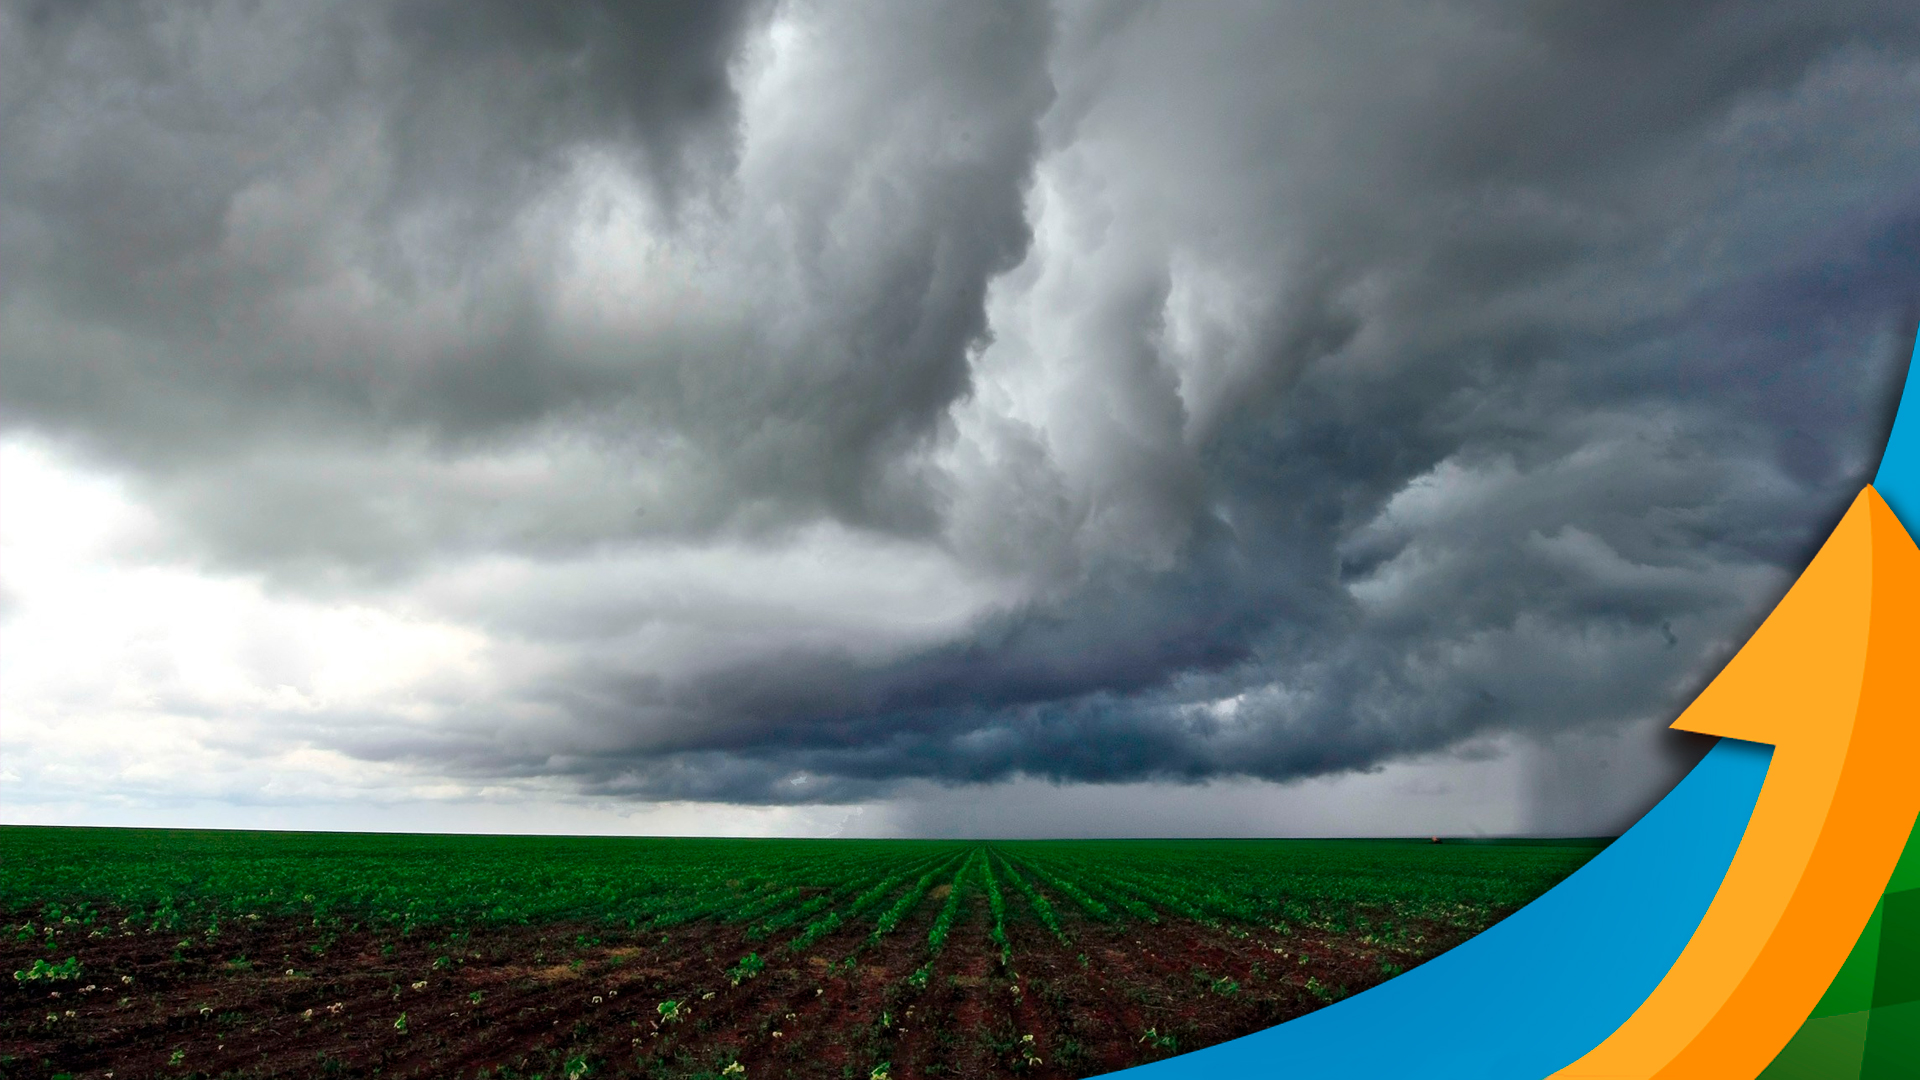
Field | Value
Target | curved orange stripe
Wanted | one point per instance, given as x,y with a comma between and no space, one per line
1833,680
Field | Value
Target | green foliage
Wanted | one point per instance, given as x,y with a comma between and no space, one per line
1321,990
799,914
1331,886
1166,1042
204,889
1087,903
1037,900
866,901
64,970
997,906
905,904
943,922
749,966
190,880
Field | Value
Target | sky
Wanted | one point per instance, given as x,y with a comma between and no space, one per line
933,419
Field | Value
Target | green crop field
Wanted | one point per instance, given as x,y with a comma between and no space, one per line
232,953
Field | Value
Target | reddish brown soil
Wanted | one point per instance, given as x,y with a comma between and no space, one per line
164,1004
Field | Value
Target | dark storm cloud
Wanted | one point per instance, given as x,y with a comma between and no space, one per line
1265,391
320,233
176,176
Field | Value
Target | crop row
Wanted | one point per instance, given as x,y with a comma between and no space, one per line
799,889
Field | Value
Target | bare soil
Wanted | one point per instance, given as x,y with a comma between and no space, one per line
275,998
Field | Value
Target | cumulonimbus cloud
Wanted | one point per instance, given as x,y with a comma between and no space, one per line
798,399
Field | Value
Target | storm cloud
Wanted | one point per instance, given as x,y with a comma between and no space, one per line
800,403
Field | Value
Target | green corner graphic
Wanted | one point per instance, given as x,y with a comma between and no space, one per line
1867,1025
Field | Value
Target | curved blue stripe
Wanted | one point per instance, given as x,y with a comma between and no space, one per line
1898,480
1542,987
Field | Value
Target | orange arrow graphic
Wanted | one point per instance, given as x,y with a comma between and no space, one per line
1832,678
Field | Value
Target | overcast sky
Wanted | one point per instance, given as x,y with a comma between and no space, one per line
929,419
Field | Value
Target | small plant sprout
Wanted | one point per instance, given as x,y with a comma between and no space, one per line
596,999
577,1067
1163,1042
474,997
734,1069
881,1071
749,966
335,1008
400,1025
421,985
177,1057
669,1011
308,1015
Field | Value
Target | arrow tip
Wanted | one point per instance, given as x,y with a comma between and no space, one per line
1810,653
